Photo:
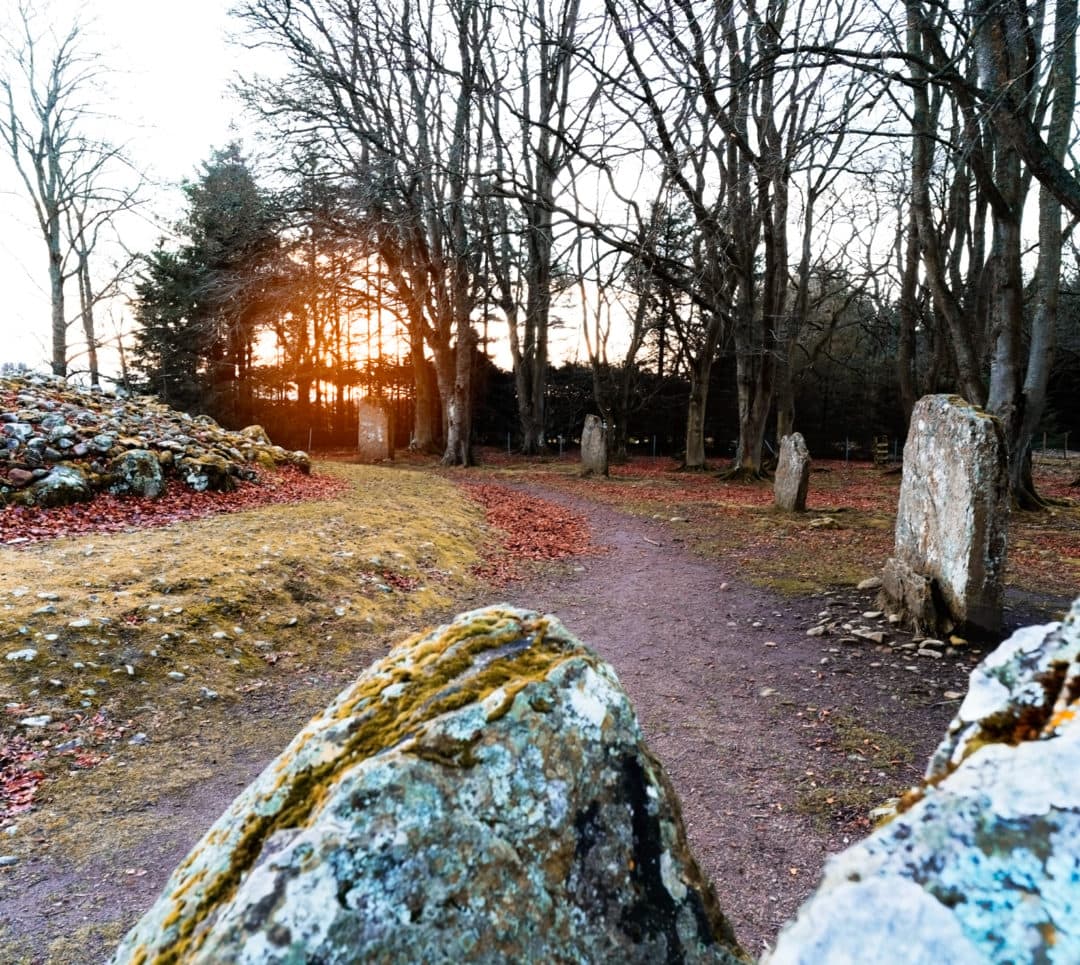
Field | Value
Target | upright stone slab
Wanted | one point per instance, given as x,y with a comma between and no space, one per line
373,438
594,459
482,794
984,865
948,565
792,474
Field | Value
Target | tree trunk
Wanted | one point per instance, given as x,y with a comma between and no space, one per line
59,321
459,406
423,435
695,413
1047,280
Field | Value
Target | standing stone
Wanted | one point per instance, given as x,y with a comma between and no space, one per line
984,863
373,439
482,794
594,447
792,474
948,565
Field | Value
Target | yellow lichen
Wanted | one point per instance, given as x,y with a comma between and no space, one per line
444,673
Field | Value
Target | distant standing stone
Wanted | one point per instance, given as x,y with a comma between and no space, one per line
373,439
594,461
948,565
792,474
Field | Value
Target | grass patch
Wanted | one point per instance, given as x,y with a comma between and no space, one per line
215,640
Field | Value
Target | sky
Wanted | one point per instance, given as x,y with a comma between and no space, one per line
171,64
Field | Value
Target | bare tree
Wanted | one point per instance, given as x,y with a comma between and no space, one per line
75,181
389,91
540,104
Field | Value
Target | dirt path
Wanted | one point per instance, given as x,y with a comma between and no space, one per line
776,742
744,709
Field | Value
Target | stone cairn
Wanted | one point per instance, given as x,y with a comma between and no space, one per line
792,474
947,569
594,458
61,444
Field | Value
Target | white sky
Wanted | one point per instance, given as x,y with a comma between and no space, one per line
171,66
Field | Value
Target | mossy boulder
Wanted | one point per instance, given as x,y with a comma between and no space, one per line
138,472
208,471
482,794
63,486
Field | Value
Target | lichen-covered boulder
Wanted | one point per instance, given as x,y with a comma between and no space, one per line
792,474
137,472
63,486
984,866
206,472
482,794
948,566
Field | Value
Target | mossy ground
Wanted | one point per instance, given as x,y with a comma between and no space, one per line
272,610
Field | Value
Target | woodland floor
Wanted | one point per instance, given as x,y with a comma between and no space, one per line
695,590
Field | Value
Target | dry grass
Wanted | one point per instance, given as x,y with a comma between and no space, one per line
273,610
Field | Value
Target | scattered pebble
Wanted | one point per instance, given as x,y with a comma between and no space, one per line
176,675
7,860
817,631
26,655
41,720
139,740
79,624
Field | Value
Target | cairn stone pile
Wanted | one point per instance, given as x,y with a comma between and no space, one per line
61,444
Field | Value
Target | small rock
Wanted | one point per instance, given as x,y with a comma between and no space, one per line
26,655
8,860
176,675
79,624
766,691
929,644
41,720
871,583
929,653
207,694
873,615
69,745
139,740
817,631
874,636
952,695
770,643
824,522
